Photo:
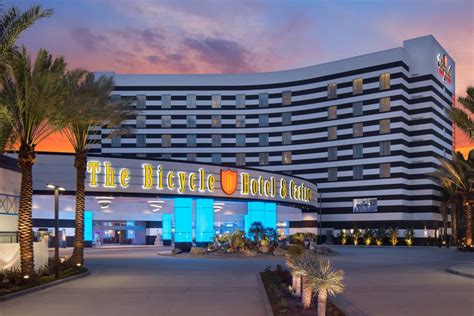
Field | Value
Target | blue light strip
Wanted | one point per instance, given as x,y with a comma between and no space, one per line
166,227
183,219
263,212
204,220
88,226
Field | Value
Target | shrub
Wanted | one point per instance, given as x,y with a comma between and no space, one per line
368,236
297,238
409,233
295,250
380,235
237,241
343,237
393,236
355,236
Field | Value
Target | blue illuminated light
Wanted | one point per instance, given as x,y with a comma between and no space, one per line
166,227
183,220
88,226
204,220
263,212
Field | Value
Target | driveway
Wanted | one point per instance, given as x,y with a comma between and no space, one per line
135,281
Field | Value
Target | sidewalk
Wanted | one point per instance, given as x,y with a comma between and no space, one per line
466,270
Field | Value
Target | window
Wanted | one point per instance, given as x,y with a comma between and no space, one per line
263,120
240,121
191,121
141,140
332,174
216,121
191,157
263,159
116,141
286,118
141,122
286,98
165,140
115,97
385,81
216,140
357,109
240,140
191,101
141,101
332,90
332,153
332,133
385,126
216,101
286,138
332,112
166,156
358,172
165,121
216,158
240,159
263,100
385,148
385,170
263,139
385,104
191,140
286,157
166,101
357,129
357,86
240,101
357,151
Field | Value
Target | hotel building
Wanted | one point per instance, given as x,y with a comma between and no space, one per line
367,131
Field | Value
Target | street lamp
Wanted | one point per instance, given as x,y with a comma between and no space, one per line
56,226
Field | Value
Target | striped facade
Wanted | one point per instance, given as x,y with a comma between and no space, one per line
371,126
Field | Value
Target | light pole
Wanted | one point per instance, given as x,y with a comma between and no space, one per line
56,226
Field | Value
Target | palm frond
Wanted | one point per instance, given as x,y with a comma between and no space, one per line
327,279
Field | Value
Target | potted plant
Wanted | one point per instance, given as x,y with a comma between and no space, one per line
393,236
409,234
368,236
380,236
356,233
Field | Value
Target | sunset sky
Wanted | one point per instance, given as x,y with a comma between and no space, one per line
243,36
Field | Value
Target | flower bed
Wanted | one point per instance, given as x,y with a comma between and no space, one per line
277,285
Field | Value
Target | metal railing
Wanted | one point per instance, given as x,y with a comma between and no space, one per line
9,237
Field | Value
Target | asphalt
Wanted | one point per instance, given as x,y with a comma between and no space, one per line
136,281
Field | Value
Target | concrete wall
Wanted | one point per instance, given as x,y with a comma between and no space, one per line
10,255
8,222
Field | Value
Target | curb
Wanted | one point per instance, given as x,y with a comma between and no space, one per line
466,275
10,296
346,307
263,294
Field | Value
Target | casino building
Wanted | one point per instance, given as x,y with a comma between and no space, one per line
359,135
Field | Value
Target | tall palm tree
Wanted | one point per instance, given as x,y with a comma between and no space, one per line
325,281
13,22
302,266
463,118
30,99
88,109
458,173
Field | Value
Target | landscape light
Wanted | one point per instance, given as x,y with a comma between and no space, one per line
51,186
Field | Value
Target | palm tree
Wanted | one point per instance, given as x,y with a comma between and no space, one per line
325,281
302,266
12,23
463,117
458,174
30,99
88,109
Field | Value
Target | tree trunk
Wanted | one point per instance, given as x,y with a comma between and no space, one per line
444,216
454,223
468,220
26,159
296,280
307,294
322,301
78,253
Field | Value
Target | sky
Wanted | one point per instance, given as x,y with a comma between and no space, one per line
224,36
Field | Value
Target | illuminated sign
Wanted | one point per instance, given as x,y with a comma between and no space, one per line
200,181
367,205
443,69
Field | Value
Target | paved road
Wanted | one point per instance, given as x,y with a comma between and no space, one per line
380,281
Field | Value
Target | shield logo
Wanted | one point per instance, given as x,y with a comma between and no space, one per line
228,181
